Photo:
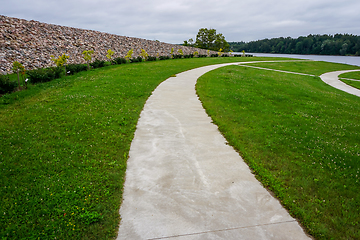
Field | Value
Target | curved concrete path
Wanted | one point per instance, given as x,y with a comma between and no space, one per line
332,78
184,182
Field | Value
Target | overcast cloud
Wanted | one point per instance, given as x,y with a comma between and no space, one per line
176,21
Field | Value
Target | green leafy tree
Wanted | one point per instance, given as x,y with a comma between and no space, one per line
60,61
196,53
144,54
129,54
109,54
209,39
18,68
88,56
172,52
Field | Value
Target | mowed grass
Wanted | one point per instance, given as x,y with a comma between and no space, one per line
64,146
300,136
351,75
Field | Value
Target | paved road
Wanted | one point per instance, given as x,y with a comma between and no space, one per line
184,182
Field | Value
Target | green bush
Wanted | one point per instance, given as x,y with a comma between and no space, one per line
164,57
224,55
119,60
175,56
75,68
214,55
134,60
202,55
6,86
97,63
44,74
151,58
189,56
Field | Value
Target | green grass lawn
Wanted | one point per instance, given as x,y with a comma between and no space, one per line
300,136
351,75
64,146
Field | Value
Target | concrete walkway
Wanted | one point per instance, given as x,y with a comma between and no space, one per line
184,182
332,78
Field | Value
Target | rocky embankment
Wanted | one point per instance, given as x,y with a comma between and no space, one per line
32,43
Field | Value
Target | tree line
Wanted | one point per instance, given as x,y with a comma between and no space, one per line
338,44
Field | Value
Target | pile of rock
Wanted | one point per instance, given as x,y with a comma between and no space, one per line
32,43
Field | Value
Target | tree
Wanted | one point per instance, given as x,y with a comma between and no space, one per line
60,61
87,56
208,39
109,54
18,68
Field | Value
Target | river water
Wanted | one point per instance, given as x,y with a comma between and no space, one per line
327,58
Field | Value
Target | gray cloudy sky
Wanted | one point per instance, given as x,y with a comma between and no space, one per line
175,21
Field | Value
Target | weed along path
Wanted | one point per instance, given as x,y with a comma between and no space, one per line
184,182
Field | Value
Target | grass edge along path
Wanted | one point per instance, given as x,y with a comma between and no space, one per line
64,146
289,130
351,79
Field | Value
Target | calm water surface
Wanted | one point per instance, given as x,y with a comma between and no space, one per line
335,59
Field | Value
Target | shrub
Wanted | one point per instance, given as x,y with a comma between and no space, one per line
44,74
189,56
224,55
134,60
202,55
87,57
98,63
164,57
175,56
151,58
6,86
75,68
119,60
214,55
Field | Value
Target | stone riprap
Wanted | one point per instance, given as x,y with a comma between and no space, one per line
32,43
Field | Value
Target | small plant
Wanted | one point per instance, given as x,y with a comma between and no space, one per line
88,56
151,58
176,56
98,63
6,86
220,52
196,53
144,54
180,51
164,57
60,61
75,68
172,52
129,54
109,54
208,52
44,74
18,68
119,60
